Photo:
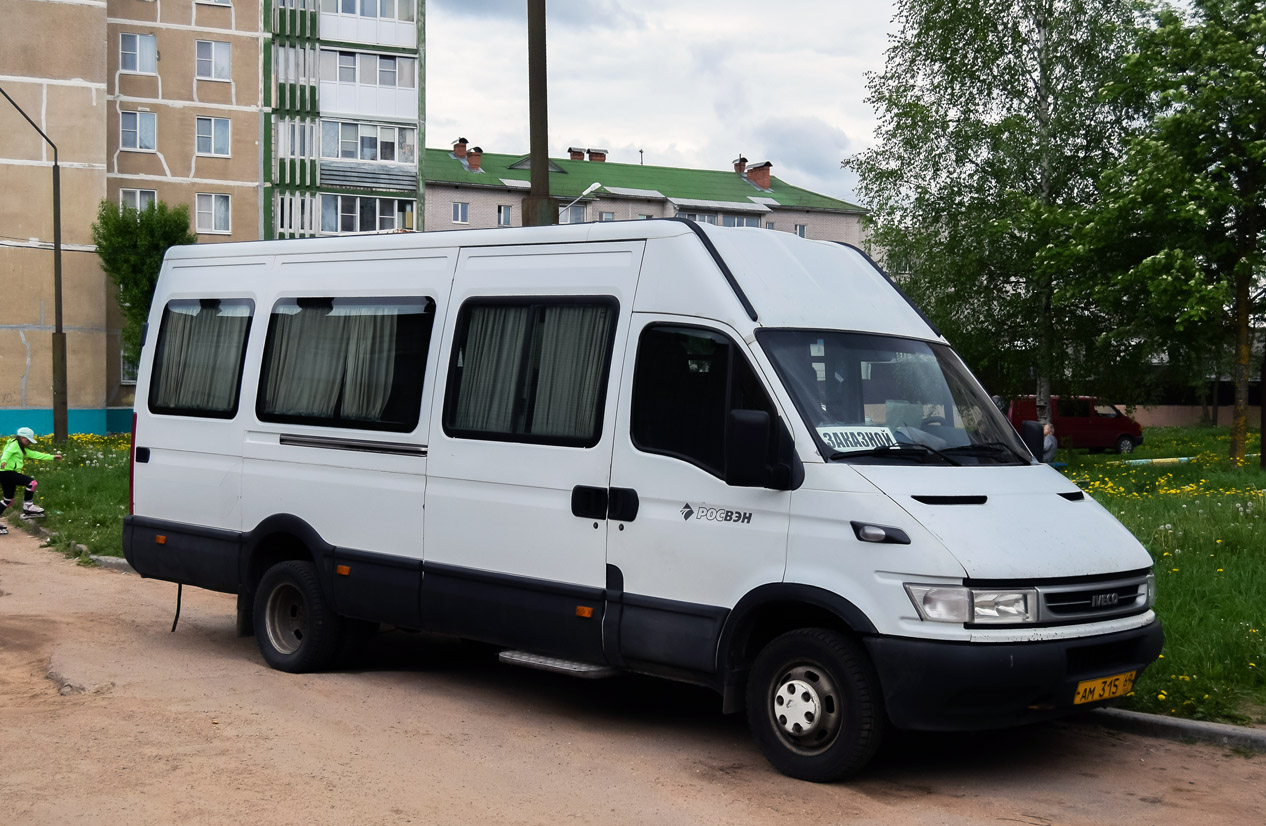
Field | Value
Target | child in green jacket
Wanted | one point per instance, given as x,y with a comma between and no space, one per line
12,461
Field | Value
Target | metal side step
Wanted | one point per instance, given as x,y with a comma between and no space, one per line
527,659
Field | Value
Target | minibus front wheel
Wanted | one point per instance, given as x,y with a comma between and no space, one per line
814,705
295,627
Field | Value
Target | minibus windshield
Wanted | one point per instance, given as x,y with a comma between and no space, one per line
874,398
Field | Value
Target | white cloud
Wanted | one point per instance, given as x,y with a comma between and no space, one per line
692,84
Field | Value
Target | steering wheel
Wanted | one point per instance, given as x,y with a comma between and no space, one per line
938,421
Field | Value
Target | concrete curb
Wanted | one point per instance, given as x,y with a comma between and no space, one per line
114,563
1173,728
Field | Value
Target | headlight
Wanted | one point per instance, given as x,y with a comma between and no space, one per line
951,603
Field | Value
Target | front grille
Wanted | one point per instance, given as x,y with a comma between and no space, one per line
1092,601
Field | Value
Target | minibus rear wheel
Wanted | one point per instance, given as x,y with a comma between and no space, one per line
813,704
295,627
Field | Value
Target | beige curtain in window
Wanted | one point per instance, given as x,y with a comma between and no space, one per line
200,357
573,350
491,359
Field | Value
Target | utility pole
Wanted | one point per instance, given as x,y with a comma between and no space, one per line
539,209
59,335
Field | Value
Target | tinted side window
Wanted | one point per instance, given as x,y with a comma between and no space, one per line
1072,408
531,370
199,356
346,362
685,383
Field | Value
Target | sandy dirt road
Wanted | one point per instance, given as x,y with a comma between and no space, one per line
108,718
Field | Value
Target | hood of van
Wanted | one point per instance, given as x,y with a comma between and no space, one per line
1010,522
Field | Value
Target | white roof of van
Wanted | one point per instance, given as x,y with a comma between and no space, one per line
788,281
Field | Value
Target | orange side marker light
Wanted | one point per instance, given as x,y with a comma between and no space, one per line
342,570
585,611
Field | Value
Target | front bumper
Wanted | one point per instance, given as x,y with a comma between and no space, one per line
940,686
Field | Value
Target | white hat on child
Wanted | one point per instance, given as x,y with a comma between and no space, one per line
27,433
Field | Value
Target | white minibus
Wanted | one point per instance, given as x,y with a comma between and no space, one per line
730,457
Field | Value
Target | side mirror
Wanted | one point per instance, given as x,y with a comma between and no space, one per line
1031,434
748,450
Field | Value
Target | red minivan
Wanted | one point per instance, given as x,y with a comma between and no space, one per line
1083,421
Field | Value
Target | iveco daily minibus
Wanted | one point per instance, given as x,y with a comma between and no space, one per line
731,457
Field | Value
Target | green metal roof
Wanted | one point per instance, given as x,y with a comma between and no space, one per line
440,167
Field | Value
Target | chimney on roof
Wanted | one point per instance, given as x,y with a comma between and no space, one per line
759,174
740,165
576,153
597,154
459,148
473,158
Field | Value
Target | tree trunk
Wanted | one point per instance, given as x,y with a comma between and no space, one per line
1239,371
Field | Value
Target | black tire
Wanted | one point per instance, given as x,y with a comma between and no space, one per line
838,714
295,627
1125,445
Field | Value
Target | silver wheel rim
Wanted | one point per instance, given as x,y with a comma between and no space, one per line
807,709
286,618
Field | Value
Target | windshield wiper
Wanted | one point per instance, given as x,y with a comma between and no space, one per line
901,451
987,448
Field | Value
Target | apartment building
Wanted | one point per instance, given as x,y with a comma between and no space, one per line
468,187
268,118
346,125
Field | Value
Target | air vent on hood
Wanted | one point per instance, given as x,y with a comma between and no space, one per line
1075,496
951,500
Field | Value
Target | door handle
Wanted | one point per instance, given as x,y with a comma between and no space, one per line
623,505
589,502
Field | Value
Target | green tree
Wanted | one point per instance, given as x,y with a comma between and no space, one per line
991,136
131,245
1181,218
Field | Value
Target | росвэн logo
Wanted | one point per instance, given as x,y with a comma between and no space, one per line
711,513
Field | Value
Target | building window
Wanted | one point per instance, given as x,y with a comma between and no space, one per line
368,69
385,9
213,214
572,214
213,137
138,53
229,2
700,217
212,60
368,142
800,230
137,199
644,217
128,369
295,139
461,212
199,357
504,216
346,362
342,214
740,221
531,370
606,216
769,225
137,130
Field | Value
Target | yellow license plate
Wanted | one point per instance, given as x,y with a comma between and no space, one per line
1105,688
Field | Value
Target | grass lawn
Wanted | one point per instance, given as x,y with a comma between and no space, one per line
1203,522
1205,526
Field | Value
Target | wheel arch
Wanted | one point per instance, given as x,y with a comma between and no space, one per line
769,611
279,538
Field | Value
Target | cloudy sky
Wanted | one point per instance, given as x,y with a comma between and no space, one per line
693,83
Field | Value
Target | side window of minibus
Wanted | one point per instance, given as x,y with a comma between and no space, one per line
199,356
531,370
346,362
685,383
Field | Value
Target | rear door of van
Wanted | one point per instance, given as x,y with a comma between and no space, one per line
187,473
520,454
